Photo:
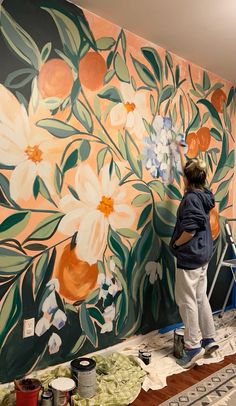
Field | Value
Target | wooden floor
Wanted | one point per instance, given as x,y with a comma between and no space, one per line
178,383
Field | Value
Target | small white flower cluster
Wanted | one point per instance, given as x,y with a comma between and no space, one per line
160,154
154,271
109,287
52,316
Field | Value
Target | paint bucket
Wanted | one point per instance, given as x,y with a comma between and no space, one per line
146,357
178,342
61,388
140,353
83,372
27,392
47,398
182,141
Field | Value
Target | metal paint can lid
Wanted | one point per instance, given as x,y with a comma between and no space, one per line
63,384
83,364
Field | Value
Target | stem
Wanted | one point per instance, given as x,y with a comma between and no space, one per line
190,74
30,210
186,103
102,126
49,248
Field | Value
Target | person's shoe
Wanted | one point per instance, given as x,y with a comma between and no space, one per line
190,356
209,345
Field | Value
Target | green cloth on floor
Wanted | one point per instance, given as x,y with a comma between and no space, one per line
119,381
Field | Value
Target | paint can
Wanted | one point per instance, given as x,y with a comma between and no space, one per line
178,342
61,388
47,398
140,353
146,357
83,372
27,392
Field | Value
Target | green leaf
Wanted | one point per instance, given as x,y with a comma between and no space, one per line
144,216
155,61
23,77
57,128
123,43
214,114
215,134
222,190
121,312
163,220
134,162
83,115
71,161
158,187
87,33
223,203
73,192
111,168
68,31
84,150
10,311
117,247
46,228
144,244
14,224
144,73
177,73
222,160
173,192
93,298
152,105
205,117
230,96
121,144
206,81
127,233
142,187
5,196
181,109
58,179
110,59
105,43
166,93
101,158
43,190
19,40
35,247
96,315
226,119
109,75
111,93
79,343
87,325
46,51
121,68
195,120
140,200
97,108
12,262
40,271
117,170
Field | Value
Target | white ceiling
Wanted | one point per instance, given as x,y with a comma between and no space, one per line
202,31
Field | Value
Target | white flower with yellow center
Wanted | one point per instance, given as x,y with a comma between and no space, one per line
100,206
130,112
22,146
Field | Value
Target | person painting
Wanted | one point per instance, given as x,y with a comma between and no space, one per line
192,245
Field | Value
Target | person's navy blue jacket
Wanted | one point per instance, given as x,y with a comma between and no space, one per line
193,216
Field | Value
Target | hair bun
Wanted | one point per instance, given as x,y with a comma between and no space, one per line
201,164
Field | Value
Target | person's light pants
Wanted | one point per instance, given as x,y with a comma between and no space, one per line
194,307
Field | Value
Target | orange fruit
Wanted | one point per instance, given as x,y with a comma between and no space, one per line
55,79
92,69
218,98
77,278
204,138
193,145
214,223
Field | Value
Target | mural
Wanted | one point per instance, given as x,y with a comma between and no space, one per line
90,179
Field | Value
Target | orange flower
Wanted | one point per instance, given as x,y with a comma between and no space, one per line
193,145
76,278
218,98
204,138
92,69
214,223
55,79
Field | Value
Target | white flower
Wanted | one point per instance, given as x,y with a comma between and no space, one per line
109,315
129,113
54,343
53,284
100,206
22,146
50,304
153,270
59,319
42,326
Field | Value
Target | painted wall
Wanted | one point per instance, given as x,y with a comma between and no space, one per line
90,179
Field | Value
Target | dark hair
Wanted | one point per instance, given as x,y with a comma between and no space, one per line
195,173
